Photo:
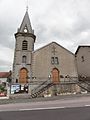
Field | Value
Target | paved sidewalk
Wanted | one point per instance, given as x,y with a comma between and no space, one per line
9,101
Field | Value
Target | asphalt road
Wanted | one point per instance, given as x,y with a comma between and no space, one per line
61,103
77,108
77,113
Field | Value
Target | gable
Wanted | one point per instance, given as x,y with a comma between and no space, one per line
53,44
43,58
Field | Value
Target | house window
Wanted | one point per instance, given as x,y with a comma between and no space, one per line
24,45
24,58
54,60
82,57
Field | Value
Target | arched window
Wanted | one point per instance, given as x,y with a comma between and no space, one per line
24,45
24,59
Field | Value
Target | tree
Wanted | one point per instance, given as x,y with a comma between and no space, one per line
2,88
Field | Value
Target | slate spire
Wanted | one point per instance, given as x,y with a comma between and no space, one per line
26,25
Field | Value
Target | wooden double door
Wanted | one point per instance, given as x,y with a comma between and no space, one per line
23,76
55,76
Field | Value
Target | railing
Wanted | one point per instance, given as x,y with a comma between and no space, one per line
69,80
84,85
41,88
45,83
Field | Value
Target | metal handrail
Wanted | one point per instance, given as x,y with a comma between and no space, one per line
69,80
40,86
84,87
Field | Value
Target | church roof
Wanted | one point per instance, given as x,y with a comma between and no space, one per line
56,44
26,24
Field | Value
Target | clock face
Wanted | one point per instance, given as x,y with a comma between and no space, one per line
25,30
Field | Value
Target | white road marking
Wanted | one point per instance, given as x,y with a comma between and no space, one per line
48,108
87,105
43,108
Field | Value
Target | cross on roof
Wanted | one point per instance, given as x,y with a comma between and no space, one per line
54,50
27,6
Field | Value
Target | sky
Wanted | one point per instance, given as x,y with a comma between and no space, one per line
66,22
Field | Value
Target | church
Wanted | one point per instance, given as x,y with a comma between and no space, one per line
48,69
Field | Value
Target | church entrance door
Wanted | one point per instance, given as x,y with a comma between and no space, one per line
55,76
23,75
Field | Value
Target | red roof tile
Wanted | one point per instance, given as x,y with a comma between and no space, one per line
4,74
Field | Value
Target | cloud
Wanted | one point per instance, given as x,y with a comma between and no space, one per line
64,21
5,65
6,58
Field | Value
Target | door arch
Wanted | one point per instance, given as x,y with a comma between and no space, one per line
23,76
55,76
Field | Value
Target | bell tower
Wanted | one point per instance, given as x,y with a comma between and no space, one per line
24,46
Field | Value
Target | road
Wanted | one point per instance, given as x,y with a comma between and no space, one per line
80,113
61,103
65,109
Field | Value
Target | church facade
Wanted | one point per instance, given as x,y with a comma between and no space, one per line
50,63
53,60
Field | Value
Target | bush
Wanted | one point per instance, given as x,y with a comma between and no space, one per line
2,88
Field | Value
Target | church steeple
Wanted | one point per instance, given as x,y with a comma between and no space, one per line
24,47
26,25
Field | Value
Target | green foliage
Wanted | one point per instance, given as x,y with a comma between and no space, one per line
2,88
9,80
